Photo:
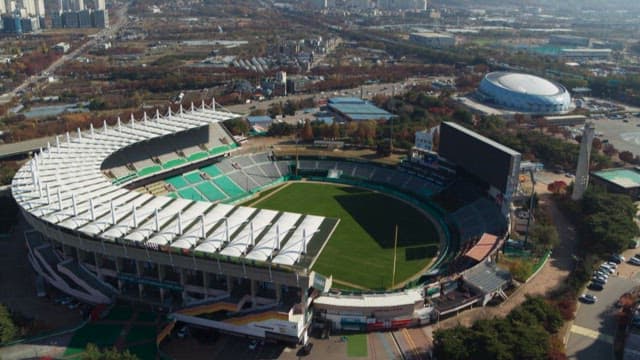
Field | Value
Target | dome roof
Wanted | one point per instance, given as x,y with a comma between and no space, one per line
524,83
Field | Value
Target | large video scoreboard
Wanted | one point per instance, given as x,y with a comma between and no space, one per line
492,162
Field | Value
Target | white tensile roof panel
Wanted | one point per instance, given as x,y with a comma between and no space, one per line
64,186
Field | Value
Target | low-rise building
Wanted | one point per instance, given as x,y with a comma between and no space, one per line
433,39
584,54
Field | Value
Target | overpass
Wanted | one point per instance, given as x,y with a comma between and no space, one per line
24,147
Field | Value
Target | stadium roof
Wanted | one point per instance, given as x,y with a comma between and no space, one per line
484,246
358,109
625,178
524,83
64,186
485,139
259,119
346,100
487,277
408,297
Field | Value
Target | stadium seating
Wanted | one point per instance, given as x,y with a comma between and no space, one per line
171,151
478,217
210,191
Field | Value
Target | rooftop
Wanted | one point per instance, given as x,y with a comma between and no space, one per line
626,178
484,139
358,109
524,83
487,277
432,35
65,187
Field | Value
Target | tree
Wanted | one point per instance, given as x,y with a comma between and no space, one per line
608,224
335,130
452,344
557,187
275,109
280,129
8,329
92,352
307,131
237,126
544,235
626,156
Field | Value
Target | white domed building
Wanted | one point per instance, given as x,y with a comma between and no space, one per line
525,93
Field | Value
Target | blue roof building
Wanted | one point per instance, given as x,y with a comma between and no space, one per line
355,109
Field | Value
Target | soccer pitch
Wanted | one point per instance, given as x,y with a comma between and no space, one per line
360,251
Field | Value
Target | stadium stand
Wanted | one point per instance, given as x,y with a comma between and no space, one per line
478,217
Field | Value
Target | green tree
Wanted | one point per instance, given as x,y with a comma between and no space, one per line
544,235
92,352
275,109
280,129
307,131
335,130
8,329
237,126
452,344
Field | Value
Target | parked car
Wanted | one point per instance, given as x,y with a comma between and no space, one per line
588,299
598,280
73,305
602,274
608,269
618,259
634,261
253,344
183,332
596,286
66,301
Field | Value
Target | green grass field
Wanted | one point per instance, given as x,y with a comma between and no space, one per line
361,249
357,345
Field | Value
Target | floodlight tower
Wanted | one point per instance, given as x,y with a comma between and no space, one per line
582,172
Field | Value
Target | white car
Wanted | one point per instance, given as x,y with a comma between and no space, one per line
183,332
608,269
634,261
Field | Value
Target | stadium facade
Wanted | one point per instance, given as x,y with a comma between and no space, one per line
101,232
525,93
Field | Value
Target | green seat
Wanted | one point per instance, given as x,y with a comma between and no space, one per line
210,191
149,170
219,150
178,182
191,194
198,156
211,170
229,187
193,177
173,163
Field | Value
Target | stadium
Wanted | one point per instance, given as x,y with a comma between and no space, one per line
525,93
170,211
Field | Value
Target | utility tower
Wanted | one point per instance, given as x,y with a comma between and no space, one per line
582,172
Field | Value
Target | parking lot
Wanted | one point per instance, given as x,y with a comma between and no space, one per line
593,330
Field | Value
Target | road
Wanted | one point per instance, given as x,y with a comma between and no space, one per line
105,33
413,343
593,330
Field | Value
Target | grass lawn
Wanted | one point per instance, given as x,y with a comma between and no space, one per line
120,313
357,345
103,335
361,249
139,333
